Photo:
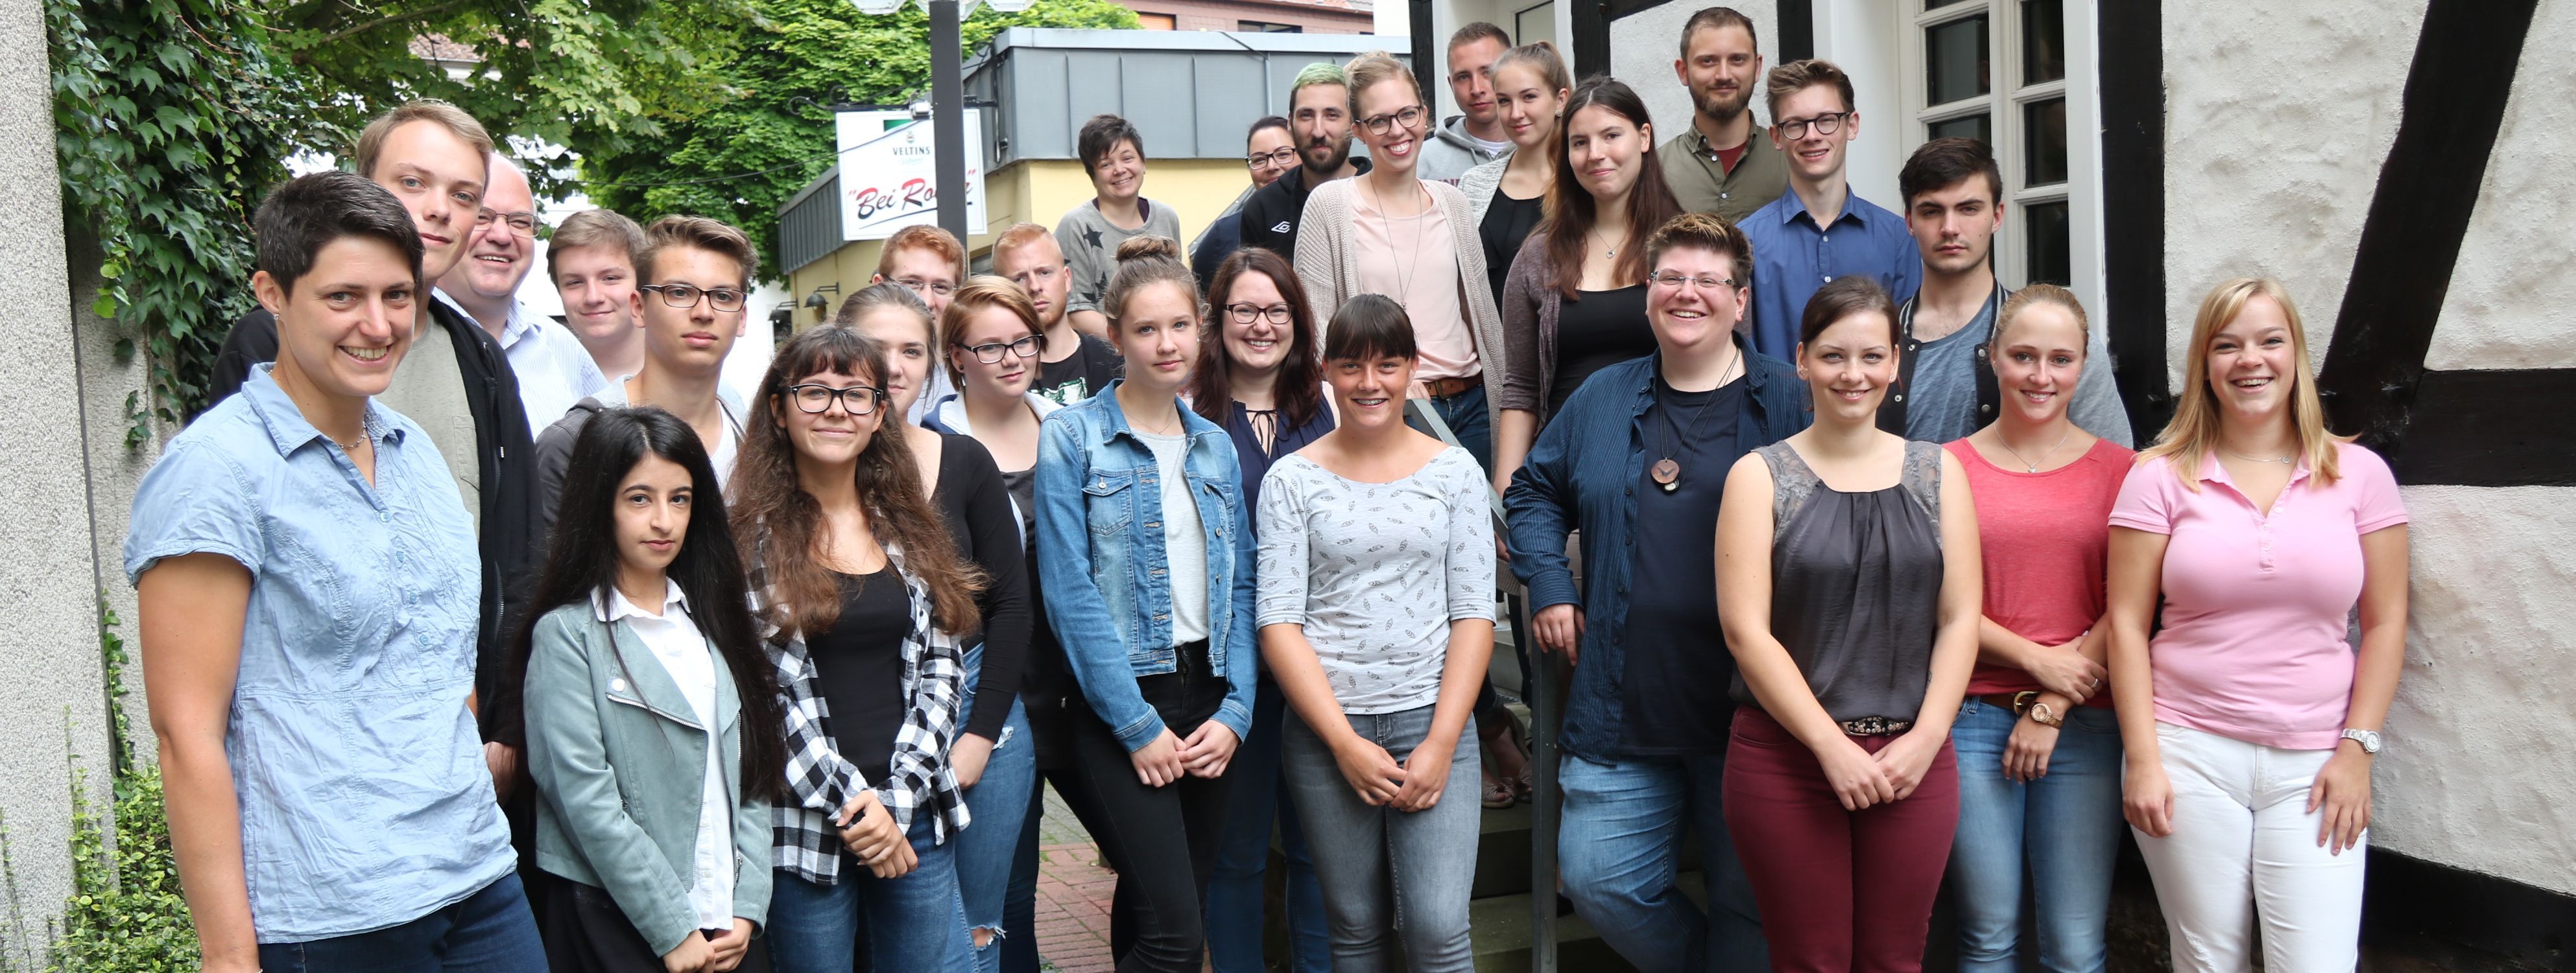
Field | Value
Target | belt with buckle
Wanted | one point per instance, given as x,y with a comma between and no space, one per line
1876,726
1441,388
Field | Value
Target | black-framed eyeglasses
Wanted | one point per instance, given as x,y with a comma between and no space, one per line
1409,117
1023,348
1826,124
1245,312
1275,157
857,400
521,223
684,295
926,288
1672,278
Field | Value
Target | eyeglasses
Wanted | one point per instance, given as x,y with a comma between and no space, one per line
1826,124
1275,157
817,399
1023,348
1408,117
926,288
683,295
523,224
1676,279
1244,313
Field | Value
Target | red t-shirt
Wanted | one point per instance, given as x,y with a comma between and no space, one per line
1729,157
2046,539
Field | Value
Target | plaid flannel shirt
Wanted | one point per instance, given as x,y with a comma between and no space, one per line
804,840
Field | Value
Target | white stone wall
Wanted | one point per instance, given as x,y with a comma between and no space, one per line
51,704
2279,116
1644,46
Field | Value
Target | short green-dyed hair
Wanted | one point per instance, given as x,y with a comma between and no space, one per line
1320,72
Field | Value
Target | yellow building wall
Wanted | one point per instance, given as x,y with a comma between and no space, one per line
1037,191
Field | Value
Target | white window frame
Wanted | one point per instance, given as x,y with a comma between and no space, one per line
2003,104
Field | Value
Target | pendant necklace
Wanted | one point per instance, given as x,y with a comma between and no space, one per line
2052,451
2283,460
1667,472
1403,271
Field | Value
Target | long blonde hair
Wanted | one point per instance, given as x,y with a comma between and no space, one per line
2194,429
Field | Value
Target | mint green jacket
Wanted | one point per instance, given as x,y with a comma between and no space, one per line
620,764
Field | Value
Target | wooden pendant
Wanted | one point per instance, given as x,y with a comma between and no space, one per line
1667,474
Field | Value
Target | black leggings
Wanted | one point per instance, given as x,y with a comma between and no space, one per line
1162,841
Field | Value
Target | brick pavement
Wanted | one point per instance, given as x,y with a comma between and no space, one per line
1074,890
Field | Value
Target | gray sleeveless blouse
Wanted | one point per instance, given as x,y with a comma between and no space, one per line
1856,584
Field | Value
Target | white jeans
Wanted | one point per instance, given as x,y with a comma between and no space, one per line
2244,850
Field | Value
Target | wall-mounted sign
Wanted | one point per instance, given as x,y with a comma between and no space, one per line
889,173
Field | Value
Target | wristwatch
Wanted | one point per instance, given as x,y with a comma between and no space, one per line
2046,715
2369,739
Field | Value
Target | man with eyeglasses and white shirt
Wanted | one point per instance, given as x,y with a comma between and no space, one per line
929,262
1818,231
696,278
554,369
1072,366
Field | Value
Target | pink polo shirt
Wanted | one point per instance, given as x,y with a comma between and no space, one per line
2257,607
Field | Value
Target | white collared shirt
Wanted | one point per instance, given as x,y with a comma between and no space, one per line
553,368
691,663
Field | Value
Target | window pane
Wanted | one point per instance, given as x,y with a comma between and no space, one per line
1145,21
1937,4
1964,126
2044,142
2050,249
1954,60
2043,41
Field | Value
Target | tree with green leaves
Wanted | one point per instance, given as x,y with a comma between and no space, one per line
739,159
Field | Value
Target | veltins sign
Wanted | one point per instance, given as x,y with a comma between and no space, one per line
889,173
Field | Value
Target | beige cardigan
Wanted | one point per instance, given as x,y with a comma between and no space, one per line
1328,265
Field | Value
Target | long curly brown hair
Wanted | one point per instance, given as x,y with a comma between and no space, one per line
780,526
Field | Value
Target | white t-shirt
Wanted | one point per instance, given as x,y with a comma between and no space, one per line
1184,539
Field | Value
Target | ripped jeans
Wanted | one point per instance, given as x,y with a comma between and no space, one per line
999,802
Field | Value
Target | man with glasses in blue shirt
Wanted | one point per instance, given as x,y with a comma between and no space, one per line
553,368
696,282
1818,230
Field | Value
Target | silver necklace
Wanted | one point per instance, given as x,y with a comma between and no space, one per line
1403,271
2283,460
2027,464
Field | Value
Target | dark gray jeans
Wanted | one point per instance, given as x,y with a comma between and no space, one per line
1426,859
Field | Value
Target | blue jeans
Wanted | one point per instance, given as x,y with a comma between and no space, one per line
2066,825
489,931
1465,413
1234,897
1390,873
988,849
914,923
1619,849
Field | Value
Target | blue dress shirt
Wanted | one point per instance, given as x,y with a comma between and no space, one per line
1792,257
364,799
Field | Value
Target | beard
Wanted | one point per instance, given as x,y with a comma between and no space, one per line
1720,108
1340,150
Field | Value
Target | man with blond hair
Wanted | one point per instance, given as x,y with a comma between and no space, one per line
553,368
456,382
1072,366
592,260
929,262
1475,136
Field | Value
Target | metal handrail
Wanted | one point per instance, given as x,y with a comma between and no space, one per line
1539,690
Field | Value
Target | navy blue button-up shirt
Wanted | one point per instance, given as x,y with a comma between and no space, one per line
1792,257
1581,475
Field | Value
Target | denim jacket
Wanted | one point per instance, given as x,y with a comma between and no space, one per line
1582,475
1101,561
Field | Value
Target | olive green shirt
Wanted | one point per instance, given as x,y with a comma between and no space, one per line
1702,185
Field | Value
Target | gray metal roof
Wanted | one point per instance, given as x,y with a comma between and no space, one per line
1190,93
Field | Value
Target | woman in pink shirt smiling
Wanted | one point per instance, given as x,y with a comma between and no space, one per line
2250,722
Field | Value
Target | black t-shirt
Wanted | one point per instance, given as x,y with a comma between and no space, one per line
1601,329
1673,692
1080,375
858,668
1507,225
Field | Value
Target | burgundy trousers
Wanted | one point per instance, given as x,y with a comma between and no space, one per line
1839,891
